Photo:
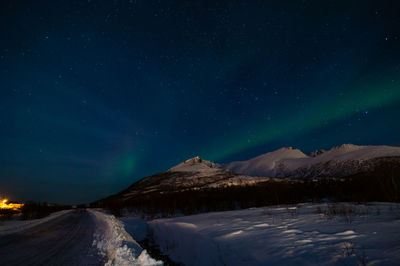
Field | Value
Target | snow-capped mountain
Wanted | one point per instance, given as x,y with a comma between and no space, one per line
344,160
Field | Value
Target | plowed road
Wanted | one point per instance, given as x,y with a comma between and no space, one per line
66,240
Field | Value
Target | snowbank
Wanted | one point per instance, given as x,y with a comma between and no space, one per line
303,234
115,244
13,226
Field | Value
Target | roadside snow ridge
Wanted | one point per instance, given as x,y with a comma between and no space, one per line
116,245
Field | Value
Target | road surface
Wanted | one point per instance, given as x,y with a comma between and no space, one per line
66,240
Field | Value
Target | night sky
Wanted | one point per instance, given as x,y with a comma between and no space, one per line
95,95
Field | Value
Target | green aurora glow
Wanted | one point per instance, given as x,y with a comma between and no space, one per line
320,114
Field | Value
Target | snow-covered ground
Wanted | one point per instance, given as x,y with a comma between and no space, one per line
114,243
13,226
303,234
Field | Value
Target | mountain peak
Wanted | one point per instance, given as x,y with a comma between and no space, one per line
285,152
347,147
266,164
195,164
194,160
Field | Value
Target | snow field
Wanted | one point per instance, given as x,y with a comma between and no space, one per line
115,244
303,234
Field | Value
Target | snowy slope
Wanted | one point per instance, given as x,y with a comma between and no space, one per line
303,234
354,152
268,164
339,161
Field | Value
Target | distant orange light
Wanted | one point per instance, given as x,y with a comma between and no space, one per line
13,206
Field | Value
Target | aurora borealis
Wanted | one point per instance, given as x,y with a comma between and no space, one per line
97,94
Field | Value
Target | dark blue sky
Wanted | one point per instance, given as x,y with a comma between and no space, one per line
97,94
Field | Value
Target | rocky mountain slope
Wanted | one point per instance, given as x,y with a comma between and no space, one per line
194,173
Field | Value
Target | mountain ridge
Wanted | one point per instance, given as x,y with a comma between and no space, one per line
278,164
280,167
